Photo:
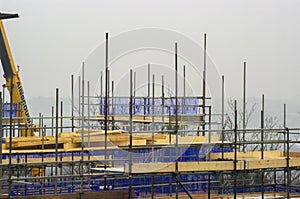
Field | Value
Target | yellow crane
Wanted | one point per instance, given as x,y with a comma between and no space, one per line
13,81
14,86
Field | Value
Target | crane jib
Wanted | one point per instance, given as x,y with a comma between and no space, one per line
23,102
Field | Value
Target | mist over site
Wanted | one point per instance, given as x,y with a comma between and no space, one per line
49,43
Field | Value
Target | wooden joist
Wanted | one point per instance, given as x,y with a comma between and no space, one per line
162,167
96,138
230,196
246,155
157,119
51,160
34,142
194,139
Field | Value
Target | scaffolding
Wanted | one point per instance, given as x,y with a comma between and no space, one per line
145,147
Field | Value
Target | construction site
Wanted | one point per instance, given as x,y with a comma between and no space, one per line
152,146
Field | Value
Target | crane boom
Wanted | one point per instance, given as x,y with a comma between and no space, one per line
11,74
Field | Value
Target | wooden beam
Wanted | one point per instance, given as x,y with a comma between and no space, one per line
247,155
162,167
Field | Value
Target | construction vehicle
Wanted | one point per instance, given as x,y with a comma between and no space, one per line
15,88
13,81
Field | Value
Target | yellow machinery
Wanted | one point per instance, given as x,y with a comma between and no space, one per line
15,88
13,81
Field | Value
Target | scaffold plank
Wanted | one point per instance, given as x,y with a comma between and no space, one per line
205,166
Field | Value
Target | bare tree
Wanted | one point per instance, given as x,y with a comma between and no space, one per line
230,115
270,122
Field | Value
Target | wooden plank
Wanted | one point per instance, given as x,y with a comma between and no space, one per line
52,159
17,145
206,166
39,151
293,154
247,155
134,142
194,139
28,139
31,142
139,119
68,140
113,194
251,195
67,134
161,167
98,132
114,139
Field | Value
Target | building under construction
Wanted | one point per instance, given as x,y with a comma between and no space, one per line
141,147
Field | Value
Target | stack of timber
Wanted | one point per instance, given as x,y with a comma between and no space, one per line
244,161
36,142
120,138
96,138
157,119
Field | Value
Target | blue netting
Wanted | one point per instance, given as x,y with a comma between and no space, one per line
6,110
143,106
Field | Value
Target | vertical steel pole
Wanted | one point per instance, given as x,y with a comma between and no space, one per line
184,88
40,121
56,139
149,79
101,84
108,97
52,121
79,103
288,162
235,150
10,136
101,93
262,145
72,102
204,82
244,112
184,96
130,137
112,104
284,134
153,129
209,124
153,112
148,95
209,141
209,129
208,186
176,118
262,127
223,127
88,112
89,129
43,147
82,133
106,105
163,100
244,107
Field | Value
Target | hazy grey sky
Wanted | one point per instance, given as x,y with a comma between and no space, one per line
52,37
